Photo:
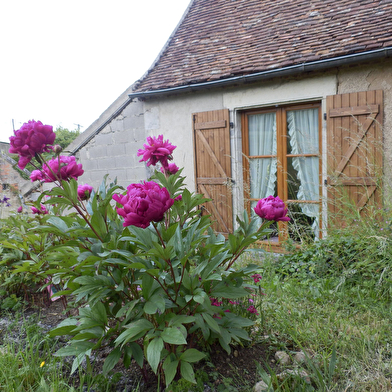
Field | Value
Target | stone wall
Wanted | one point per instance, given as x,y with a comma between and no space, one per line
12,184
113,150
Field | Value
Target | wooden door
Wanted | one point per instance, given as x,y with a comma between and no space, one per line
211,131
354,138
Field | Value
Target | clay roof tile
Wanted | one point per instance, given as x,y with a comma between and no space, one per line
222,38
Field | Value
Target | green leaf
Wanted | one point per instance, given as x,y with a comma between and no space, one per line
221,290
137,353
147,283
211,322
64,328
187,372
170,369
133,330
75,348
59,223
181,319
173,335
128,307
199,321
154,349
156,302
111,360
99,224
99,312
192,355
198,298
150,307
225,337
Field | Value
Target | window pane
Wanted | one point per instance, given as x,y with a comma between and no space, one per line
303,131
262,134
262,141
303,178
301,226
262,177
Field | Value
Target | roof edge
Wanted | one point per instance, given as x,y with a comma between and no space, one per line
272,73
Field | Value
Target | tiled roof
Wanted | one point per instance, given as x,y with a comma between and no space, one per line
219,39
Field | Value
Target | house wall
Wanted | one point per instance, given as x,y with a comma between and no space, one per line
113,150
176,125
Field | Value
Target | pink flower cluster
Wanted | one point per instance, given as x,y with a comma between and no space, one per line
256,277
157,150
252,309
32,138
271,208
215,302
59,168
143,203
40,211
84,191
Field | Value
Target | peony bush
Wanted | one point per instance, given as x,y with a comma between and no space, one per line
148,276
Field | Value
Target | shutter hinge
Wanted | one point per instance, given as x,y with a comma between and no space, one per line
231,125
325,116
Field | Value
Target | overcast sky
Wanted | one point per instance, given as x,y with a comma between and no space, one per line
65,62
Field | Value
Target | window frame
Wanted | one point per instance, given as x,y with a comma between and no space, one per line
282,160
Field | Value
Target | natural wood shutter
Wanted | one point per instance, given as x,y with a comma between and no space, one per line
211,132
354,138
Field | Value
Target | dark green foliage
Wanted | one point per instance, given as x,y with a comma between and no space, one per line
360,258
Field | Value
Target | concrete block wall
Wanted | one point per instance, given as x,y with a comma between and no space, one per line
12,184
113,150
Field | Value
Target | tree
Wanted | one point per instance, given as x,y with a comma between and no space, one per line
64,137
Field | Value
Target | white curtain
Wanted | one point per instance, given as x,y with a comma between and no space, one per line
262,141
303,129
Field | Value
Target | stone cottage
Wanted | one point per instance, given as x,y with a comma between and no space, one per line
291,98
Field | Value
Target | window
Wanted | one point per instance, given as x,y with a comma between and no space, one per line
282,157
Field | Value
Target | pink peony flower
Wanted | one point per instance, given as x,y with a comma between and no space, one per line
42,210
36,175
59,168
178,198
156,150
20,209
84,191
143,203
271,208
32,138
172,168
256,278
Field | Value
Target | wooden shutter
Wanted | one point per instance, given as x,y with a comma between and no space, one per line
211,132
354,138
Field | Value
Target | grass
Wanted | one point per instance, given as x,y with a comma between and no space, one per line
27,363
331,299
320,316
